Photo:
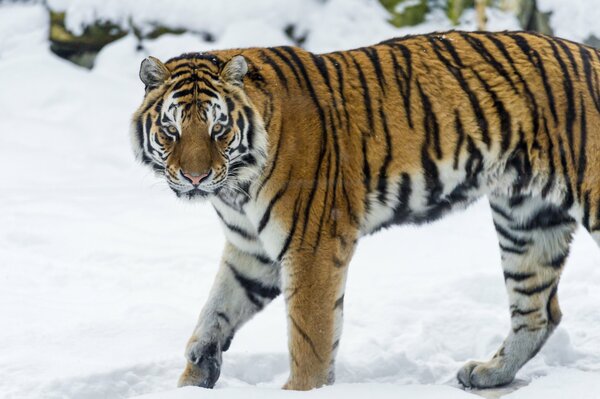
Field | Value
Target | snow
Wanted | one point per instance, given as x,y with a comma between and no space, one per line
103,271
375,391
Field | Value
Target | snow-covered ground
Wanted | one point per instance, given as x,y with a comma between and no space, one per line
103,271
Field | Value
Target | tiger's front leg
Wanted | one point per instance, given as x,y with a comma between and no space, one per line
244,284
314,282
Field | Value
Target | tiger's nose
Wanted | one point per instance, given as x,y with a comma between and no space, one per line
195,178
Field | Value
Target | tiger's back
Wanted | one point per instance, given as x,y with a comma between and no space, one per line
305,153
430,122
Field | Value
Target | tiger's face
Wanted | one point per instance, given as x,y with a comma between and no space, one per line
196,127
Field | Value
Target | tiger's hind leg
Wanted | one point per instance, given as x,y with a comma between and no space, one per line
534,240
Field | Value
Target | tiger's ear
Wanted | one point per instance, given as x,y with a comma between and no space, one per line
153,72
234,71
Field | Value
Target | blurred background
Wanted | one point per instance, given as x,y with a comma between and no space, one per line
103,271
79,29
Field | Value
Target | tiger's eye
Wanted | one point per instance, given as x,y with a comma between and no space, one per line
217,128
172,129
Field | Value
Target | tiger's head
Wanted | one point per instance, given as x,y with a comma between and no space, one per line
197,126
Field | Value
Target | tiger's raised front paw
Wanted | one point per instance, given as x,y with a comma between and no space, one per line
484,375
204,365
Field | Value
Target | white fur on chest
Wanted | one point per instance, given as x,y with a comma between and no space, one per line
240,225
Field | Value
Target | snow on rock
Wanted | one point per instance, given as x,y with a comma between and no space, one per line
103,271
326,26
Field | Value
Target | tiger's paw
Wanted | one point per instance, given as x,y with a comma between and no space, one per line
203,367
484,375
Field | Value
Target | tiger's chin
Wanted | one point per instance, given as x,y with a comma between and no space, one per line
195,194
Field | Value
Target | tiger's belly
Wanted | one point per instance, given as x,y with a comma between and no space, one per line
422,197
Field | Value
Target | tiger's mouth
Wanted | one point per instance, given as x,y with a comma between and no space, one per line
197,192
193,193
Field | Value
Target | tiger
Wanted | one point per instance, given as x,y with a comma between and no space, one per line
302,154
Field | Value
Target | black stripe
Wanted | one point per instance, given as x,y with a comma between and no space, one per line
518,277
568,200
585,220
179,74
373,57
403,78
148,129
335,345
365,92
512,250
326,203
597,226
366,172
559,260
520,161
503,115
235,229
589,76
530,97
353,217
296,59
521,242
482,50
551,166
519,328
546,218
517,200
209,83
265,260
208,93
535,289
286,61
253,287
582,162
536,60
337,262
248,113
570,56
288,239
430,124
336,175
383,171
280,75
321,65
224,317
140,136
306,338
402,211
341,92
460,132
520,312
273,164
474,101
267,215
569,94
496,209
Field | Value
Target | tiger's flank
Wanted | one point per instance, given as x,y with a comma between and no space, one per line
302,154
